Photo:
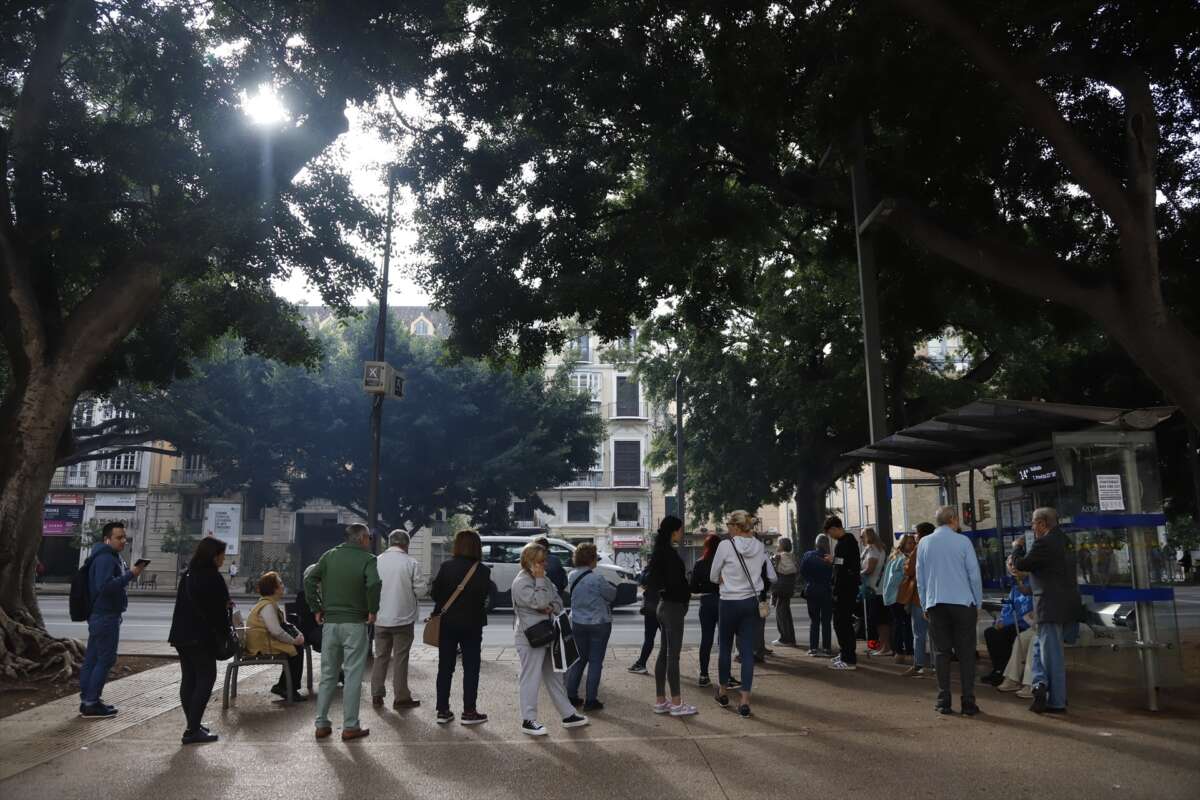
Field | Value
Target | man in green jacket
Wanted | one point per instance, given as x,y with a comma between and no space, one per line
343,592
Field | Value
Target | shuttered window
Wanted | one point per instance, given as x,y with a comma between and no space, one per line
627,463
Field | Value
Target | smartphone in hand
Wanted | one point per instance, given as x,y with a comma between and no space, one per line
141,562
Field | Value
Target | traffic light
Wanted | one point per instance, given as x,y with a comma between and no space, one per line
985,510
968,515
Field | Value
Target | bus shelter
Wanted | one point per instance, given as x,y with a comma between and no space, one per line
1099,468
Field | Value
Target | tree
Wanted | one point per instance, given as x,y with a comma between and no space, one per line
141,216
179,542
582,156
466,438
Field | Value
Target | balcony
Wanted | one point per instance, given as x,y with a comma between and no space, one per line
638,523
605,480
117,480
628,410
190,477
69,482
525,523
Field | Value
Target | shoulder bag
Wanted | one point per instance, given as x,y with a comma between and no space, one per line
433,626
540,634
764,606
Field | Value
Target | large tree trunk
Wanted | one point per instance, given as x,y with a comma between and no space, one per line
28,442
810,512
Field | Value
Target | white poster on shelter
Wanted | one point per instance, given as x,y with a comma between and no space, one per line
224,521
1108,490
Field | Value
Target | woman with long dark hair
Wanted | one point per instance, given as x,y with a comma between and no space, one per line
710,598
669,576
461,626
199,619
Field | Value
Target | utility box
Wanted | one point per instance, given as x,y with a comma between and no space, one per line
381,378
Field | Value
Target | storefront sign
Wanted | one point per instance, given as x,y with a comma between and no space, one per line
115,500
224,521
58,527
64,499
1035,473
627,541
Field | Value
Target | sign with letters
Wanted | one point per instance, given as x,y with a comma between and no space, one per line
224,521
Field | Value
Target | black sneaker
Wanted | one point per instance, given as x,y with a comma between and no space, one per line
943,709
281,690
97,711
704,681
575,701
744,711
638,669
1039,698
574,721
969,709
533,728
473,718
595,705
733,683
445,716
198,737
722,700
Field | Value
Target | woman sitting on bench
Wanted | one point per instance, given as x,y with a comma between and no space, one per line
268,634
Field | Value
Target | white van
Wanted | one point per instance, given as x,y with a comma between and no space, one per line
502,554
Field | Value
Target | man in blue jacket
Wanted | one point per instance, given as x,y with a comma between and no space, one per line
1000,637
108,576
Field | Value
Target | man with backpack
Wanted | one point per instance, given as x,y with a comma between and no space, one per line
107,577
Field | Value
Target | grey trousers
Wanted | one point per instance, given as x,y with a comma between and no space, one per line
666,668
392,646
537,668
952,629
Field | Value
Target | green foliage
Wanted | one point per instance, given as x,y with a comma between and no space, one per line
1183,533
467,437
86,535
179,541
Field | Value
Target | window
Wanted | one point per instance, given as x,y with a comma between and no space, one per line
672,505
77,474
584,345
565,554
522,511
587,383
627,463
126,462
193,461
579,511
505,553
82,418
193,507
627,397
628,512
421,328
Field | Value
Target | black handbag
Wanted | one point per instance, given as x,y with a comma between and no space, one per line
541,634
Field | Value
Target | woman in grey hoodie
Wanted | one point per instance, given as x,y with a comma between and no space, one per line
738,567
534,599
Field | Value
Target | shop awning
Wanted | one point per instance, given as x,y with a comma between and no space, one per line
990,431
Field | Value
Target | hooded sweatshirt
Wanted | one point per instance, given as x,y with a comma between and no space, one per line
727,568
107,578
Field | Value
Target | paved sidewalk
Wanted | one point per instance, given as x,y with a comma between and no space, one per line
815,733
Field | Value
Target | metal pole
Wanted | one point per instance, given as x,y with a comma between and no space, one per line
868,277
1141,539
680,494
377,401
971,496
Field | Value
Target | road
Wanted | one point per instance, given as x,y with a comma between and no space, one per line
149,619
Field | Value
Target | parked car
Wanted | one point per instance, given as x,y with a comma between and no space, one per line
503,555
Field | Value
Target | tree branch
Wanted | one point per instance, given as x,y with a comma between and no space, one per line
79,459
1043,114
1029,271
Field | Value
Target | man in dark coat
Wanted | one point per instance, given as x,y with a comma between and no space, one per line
1050,564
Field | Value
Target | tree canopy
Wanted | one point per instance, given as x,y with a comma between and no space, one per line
582,157
466,438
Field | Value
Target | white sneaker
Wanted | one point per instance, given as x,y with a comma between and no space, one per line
841,665
662,708
836,660
533,728
683,710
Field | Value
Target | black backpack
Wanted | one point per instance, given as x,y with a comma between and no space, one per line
81,594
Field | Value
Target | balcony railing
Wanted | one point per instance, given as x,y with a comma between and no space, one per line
604,480
190,477
629,523
628,411
69,482
117,480
526,523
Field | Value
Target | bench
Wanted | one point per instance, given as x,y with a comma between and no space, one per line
241,658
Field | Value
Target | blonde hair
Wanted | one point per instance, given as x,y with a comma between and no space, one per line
871,538
742,520
531,554
898,550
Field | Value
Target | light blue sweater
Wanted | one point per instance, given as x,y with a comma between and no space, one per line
947,570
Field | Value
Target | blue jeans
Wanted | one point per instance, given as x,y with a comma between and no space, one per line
1049,663
592,642
820,616
920,630
104,631
710,613
739,618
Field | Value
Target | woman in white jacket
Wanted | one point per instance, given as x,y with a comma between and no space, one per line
738,566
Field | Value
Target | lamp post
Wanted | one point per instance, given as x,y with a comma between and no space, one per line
380,346
680,502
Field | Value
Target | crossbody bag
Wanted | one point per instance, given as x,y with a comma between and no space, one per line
433,626
764,606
